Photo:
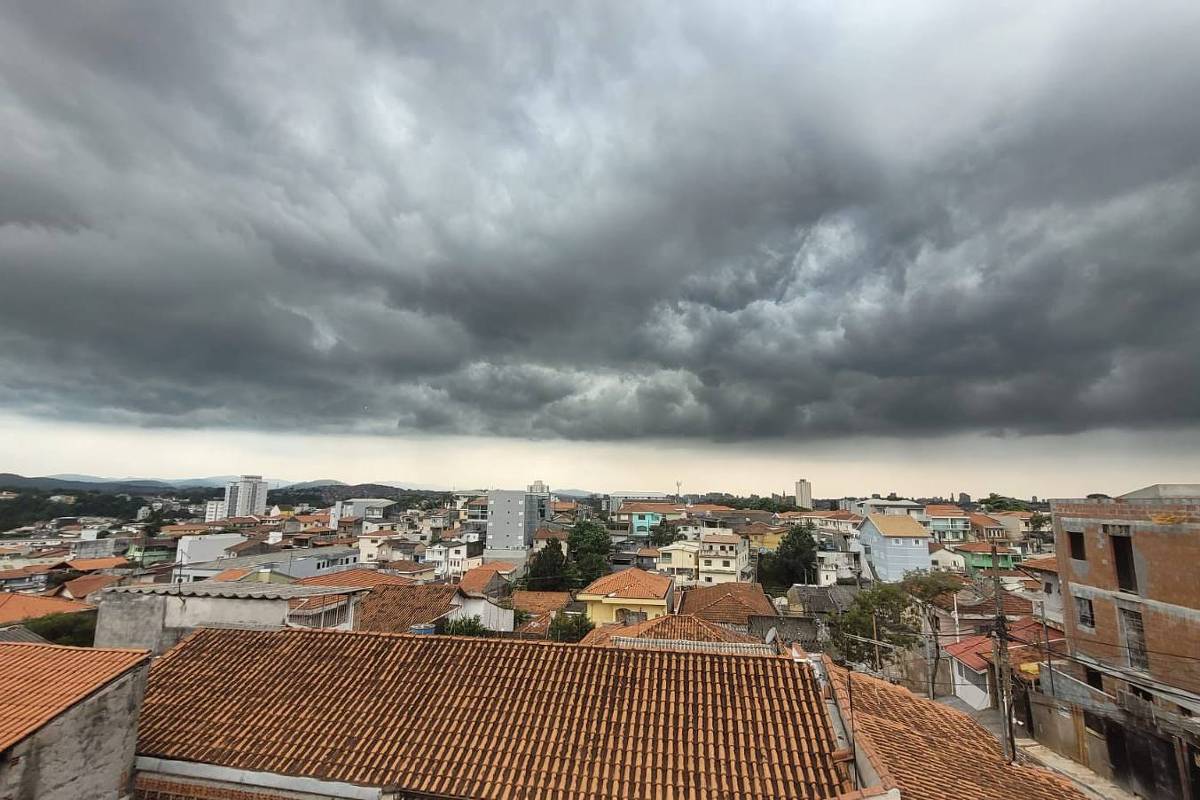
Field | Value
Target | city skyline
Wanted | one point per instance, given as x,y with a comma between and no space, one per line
587,239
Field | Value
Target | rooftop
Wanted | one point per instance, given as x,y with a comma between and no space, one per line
721,538
906,737
241,590
395,609
669,627
40,681
982,547
476,580
630,584
20,607
984,521
578,721
280,558
727,603
1041,564
896,525
92,564
944,510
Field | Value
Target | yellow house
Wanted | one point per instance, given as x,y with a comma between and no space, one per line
631,591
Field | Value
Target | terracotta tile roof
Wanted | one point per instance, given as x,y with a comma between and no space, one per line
92,564
232,574
153,787
669,627
630,584
86,584
648,552
18,607
1042,564
897,525
721,538
1012,605
394,609
378,710
545,534
404,565
984,521
981,547
906,736
727,603
475,580
935,546
40,681
539,602
19,572
699,507
942,510
351,578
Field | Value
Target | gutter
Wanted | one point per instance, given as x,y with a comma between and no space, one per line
262,780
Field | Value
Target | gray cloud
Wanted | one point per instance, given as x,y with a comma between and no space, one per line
601,221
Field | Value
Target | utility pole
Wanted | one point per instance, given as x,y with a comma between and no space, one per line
875,636
1000,658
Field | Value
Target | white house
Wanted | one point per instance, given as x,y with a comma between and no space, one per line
367,508
724,558
894,544
943,560
196,548
680,560
452,559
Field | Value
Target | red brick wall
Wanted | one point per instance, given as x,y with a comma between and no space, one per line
1166,544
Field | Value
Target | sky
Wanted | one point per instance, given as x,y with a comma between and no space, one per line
606,245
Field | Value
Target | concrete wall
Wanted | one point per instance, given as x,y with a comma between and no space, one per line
156,622
85,753
493,617
205,546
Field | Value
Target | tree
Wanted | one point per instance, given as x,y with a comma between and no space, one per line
590,566
588,537
924,588
466,626
881,613
1038,521
569,627
548,569
76,629
795,561
996,502
663,534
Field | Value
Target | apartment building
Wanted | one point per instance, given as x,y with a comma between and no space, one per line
724,558
946,523
247,496
1132,617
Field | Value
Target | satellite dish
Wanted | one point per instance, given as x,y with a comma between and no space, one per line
772,635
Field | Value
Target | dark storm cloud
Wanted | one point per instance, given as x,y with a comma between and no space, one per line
601,220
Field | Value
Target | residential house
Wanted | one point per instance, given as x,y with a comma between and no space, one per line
883,507
543,536
422,572
1132,617
487,580
945,523
367,723
399,549
942,559
68,726
974,671
678,632
985,528
894,545
628,595
730,604
618,499
195,548
539,608
156,616
978,556
680,560
370,543
642,516
85,585
762,536
25,579
427,608
451,559
724,558
359,509
1050,603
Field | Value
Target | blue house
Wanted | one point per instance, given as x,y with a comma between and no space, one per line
894,544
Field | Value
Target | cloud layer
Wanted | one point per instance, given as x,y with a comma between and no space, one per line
601,220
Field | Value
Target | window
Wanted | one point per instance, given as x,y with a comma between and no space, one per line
1135,639
724,563
1047,588
708,579
1084,608
1078,551
708,562
1123,556
1094,678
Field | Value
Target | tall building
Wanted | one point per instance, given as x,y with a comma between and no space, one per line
1131,675
214,510
246,496
512,518
804,493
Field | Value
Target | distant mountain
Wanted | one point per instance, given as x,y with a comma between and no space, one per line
572,492
419,487
10,480
311,484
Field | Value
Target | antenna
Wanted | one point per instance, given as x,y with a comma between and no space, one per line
678,490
